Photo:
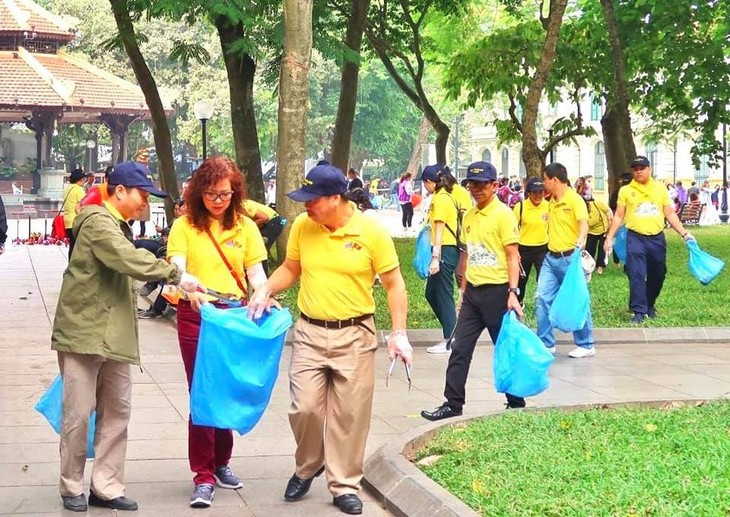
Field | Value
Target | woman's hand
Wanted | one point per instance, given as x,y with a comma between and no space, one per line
196,300
435,266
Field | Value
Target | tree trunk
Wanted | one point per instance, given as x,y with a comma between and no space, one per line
417,154
160,128
241,69
616,121
293,103
442,130
348,86
532,155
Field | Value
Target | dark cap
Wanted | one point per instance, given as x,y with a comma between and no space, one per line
535,185
76,175
134,175
480,171
434,172
323,180
640,161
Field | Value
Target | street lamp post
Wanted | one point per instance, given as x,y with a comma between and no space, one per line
552,148
90,146
203,112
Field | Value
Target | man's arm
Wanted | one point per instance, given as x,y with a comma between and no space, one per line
582,232
285,276
513,276
395,288
618,219
676,224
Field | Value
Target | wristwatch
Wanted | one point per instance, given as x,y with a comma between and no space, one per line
515,290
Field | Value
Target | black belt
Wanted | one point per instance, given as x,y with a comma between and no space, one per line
558,254
340,324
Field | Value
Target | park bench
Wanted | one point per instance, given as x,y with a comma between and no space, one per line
690,214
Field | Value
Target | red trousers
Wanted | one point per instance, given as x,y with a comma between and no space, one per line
208,447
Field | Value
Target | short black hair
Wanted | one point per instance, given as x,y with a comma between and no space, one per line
557,170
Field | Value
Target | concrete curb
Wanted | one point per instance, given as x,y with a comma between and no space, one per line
404,490
603,336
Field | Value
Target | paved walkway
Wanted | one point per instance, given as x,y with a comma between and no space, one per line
157,472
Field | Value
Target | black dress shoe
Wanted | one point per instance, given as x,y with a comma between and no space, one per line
441,412
515,402
297,488
118,503
348,503
76,503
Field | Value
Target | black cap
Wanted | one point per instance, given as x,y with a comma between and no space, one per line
535,185
640,161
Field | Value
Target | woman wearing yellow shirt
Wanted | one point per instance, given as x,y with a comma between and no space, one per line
442,216
532,220
599,221
71,198
214,226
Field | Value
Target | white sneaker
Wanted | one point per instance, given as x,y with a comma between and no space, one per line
580,352
552,349
439,348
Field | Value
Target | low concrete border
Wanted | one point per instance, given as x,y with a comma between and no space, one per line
403,489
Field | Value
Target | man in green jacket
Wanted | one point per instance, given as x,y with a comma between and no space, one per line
95,334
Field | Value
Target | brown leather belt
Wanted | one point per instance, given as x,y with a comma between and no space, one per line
340,324
558,254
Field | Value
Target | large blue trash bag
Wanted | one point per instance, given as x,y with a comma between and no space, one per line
521,361
50,405
572,304
703,266
619,244
422,258
236,366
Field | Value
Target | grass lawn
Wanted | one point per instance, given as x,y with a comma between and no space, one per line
605,462
684,302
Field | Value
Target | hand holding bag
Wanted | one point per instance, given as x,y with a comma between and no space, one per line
570,309
703,266
422,258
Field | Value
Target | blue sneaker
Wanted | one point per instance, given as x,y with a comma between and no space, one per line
225,478
638,319
202,496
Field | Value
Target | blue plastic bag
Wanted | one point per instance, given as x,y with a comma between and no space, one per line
422,258
521,361
703,266
570,309
619,244
50,405
236,366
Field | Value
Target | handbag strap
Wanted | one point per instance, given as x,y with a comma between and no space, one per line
228,264
64,202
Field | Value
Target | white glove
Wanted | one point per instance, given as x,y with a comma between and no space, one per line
688,237
399,346
189,283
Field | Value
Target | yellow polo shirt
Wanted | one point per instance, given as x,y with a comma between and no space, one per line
443,208
72,197
242,245
534,222
462,197
644,206
486,232
339,268
251,207
598,216
563,217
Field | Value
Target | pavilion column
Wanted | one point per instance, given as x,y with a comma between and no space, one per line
119,127
39,122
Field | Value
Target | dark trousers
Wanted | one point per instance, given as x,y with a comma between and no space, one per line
440,290
270,232
594,246
646,265
208,447
482,307
71,242
407,215
160,304
530,256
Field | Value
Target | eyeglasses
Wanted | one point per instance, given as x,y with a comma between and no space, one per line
215,196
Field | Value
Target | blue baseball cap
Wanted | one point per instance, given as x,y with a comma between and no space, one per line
323,180
434,172
640,161
134,175
480,171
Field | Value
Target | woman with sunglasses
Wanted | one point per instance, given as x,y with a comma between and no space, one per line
216,240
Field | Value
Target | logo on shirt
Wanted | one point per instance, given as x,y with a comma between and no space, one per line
351,245
647,209
233,244
480,255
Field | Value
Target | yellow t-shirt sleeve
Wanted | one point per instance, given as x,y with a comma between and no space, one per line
508,230
177,242
254,243
580,209
385,258
623,195
292,245
439,209
249,208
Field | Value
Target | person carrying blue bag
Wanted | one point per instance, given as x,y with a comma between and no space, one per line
335,252
95,335
490,282
643,205
567,233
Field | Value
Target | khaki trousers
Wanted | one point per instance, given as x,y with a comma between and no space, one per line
331,380
92,381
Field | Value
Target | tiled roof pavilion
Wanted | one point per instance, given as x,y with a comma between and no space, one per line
42,85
